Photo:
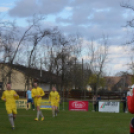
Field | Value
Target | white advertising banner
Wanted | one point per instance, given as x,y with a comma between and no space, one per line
109,106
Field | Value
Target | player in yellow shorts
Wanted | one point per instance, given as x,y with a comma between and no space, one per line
9,96
37,94
54,99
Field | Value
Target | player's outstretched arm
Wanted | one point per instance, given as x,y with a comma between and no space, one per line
130,101
3,97
42,93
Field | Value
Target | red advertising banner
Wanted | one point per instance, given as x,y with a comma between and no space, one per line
78,105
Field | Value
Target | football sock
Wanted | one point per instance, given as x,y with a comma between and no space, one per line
10,116
41,114
14,118
27,106
38,114
53,112
33,106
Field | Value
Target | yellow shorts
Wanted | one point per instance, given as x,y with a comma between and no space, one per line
11,111
37,103
54,104
57,104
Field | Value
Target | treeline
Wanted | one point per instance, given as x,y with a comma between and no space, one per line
77,61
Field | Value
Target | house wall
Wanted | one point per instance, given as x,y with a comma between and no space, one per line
18,79
45,87
3,72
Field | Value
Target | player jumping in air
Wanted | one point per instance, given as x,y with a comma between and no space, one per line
130,104
9,96
54,99
37,94
29,98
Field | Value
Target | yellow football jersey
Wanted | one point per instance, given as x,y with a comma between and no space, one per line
58,98
8,95
54,96
37,92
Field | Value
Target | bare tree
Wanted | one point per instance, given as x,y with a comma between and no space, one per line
61,53
97,58
12,39
130,42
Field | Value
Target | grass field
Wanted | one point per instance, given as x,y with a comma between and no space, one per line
67,122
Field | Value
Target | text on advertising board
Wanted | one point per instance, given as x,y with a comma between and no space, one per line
78,105
109,106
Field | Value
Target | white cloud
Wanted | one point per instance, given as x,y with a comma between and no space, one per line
118,58
89,19
118,67
45,7
4,9
68,8
7,4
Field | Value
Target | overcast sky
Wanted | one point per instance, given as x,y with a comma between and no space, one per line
89,18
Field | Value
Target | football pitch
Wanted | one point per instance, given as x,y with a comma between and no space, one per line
67,122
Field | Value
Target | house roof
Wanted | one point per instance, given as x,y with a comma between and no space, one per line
47,76
112,81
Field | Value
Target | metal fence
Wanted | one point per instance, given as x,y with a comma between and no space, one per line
80,95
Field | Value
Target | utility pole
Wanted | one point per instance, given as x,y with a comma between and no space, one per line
75,73
62,84
51,70
82,79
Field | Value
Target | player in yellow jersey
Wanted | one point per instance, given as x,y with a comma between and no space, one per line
54,99
9,96
37,94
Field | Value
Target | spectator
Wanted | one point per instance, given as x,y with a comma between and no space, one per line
94,102
124,103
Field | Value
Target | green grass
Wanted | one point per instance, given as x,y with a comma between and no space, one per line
67,122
